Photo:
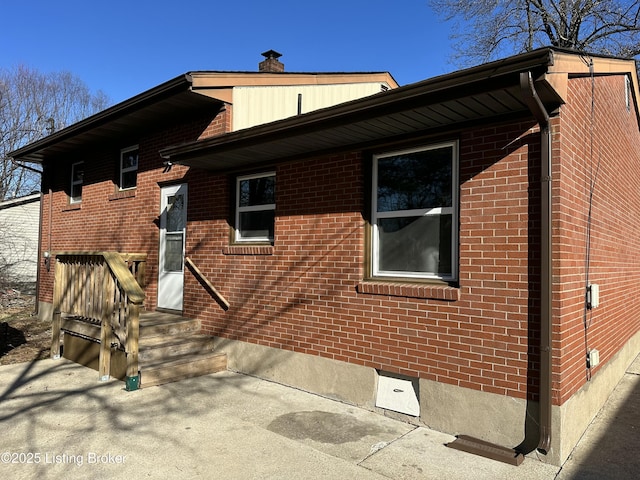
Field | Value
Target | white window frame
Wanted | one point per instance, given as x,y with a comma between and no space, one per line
452,210
75,183
251,208
128,169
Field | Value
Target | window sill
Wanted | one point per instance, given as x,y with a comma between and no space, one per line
412,290
72,207
120,194
248,250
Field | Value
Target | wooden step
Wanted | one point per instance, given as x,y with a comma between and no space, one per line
166,347
149,327
157,326
170,347
181,367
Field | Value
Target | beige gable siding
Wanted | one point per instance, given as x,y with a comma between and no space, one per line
19,240
257,105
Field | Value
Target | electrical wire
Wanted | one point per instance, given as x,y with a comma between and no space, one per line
593,176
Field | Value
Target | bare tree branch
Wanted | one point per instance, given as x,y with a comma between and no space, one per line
33,105
487,29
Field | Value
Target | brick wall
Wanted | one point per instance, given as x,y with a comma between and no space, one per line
107,219
222,123
307,294
599,158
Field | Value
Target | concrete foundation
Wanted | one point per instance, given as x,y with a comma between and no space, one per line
330,378
462,411
45,311
572,418
505,421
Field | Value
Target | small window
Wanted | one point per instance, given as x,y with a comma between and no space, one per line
255,208
627,92
128,168
414,213
77,176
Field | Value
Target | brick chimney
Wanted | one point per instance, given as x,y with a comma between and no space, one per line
271,62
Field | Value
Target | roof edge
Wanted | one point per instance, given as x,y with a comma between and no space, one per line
177,84
221,79
540,59
14,202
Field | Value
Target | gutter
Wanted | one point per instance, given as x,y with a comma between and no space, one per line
377,104
542,117
476,446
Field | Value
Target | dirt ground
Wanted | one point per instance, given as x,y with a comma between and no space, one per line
23,337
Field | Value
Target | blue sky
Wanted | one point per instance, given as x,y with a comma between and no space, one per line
126,47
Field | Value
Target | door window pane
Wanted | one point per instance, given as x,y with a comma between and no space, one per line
173,252
175,213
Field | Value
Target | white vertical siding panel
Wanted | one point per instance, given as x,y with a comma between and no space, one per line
19,239
257,105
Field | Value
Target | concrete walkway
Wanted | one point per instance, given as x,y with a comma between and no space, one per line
58,421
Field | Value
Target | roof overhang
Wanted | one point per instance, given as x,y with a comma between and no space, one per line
177,100
168,102
487,93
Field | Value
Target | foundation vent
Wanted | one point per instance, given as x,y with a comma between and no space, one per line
398,394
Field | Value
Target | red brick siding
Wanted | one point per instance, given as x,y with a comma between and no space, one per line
220,124
499,257
105,220
599,148
304,297
307,294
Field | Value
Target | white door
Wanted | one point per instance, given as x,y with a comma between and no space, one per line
173,222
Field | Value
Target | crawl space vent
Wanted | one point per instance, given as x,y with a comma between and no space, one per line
397,394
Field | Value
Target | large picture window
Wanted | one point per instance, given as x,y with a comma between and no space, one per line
128,168
255,208
414,213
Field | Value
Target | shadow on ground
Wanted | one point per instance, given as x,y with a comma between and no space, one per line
609,447
10,338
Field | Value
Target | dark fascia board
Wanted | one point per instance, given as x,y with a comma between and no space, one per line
164,90
35,152
537,61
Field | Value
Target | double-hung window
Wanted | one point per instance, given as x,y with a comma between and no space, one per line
128,168
77,177
255,207
414,213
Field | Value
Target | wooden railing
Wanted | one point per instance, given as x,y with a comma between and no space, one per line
102,288
207,284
